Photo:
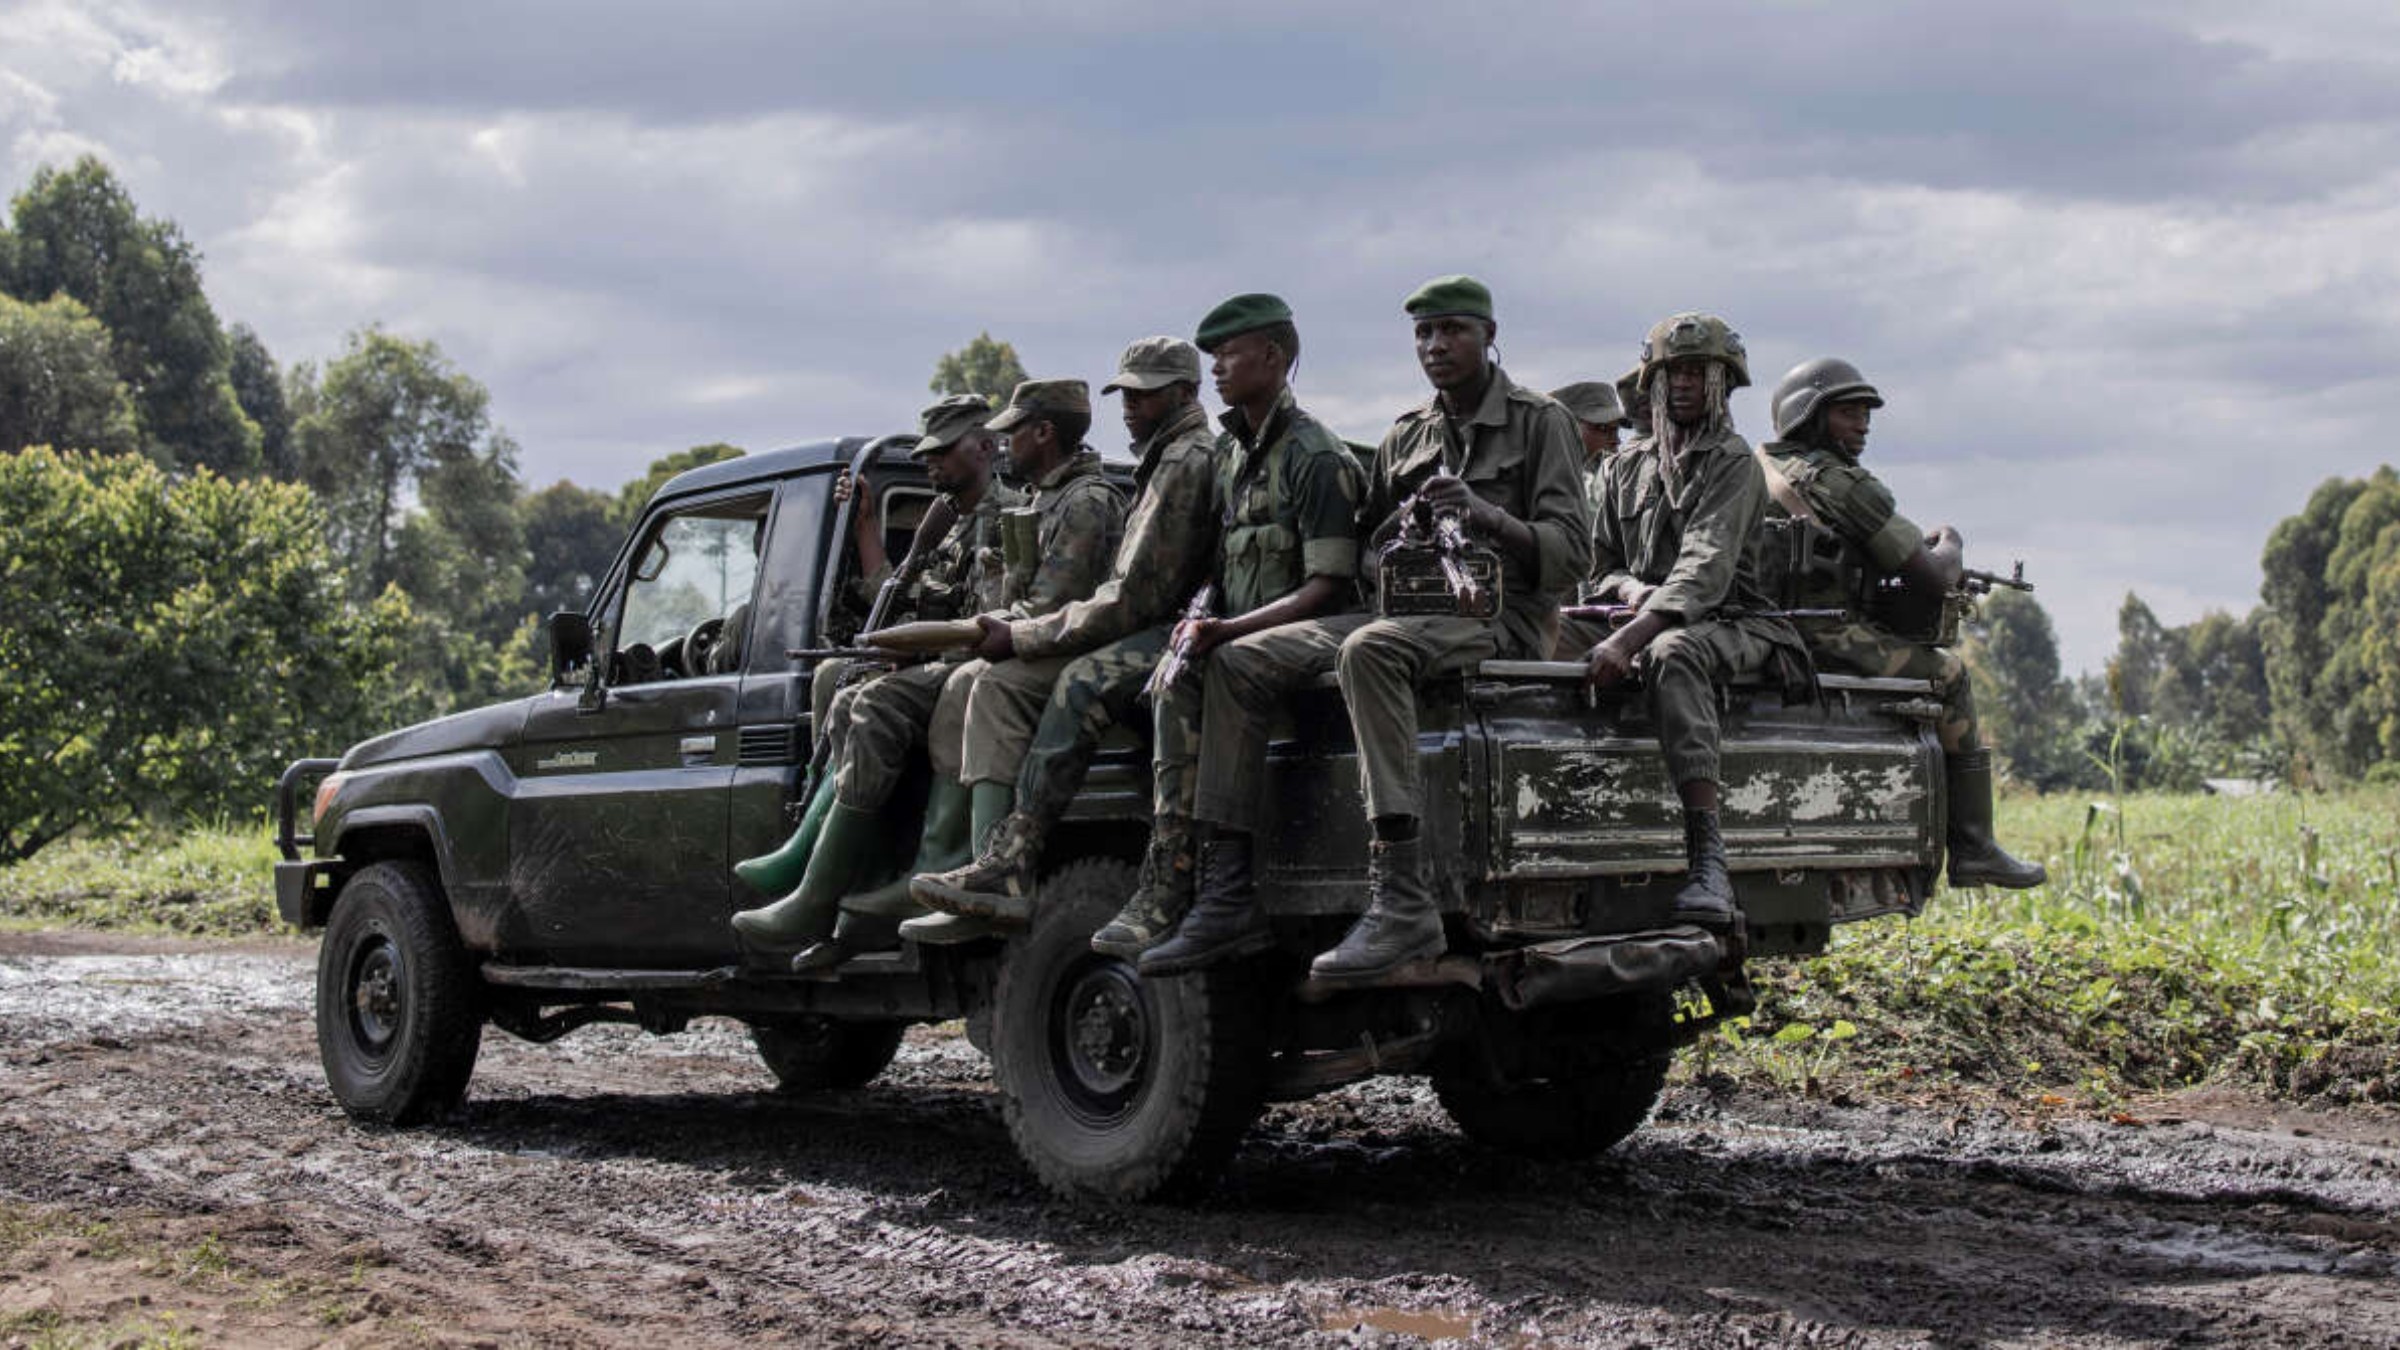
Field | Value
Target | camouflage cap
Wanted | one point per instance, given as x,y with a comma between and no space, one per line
1241,314
1155,363
1593,402
1689,334
1629,394
1450,295
946,423
1034,397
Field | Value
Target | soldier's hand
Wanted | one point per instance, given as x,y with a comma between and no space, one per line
1449,492
1606,665
1638,594
1205,635
844,486
998,643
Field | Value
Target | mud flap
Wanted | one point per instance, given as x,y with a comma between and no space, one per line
1578,969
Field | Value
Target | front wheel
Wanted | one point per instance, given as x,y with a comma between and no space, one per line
1557,1117
1116,1087
816,1054
399,1018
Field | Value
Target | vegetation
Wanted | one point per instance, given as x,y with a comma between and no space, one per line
981,367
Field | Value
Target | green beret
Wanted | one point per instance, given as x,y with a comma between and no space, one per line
1042,396
1450,295
946,423
1241,314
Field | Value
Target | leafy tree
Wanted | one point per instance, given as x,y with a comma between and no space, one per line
2324,654
981,367
76,233
57,384
2028,710
167,644
258,386
637,494
571,533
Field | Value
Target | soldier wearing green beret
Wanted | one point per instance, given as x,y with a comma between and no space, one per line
954,569
1288,491
1057,682
1843,532
1600,420
1671,538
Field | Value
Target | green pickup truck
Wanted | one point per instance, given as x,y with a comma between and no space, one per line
565,859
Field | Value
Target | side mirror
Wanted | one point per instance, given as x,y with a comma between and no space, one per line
570,642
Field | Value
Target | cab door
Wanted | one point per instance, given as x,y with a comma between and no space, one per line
618,827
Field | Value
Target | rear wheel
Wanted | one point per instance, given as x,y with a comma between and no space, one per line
816,1054
399,1017
1557,1118
1116,1087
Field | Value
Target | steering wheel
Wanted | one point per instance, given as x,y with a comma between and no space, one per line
696,645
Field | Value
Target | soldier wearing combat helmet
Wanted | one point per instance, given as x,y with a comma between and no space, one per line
1671,538
1837,533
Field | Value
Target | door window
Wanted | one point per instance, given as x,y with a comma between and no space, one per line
686,608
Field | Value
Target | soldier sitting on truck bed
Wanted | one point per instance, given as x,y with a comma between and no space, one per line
1058,682
1671,539
885,718
1846,535
1600,422
1290,491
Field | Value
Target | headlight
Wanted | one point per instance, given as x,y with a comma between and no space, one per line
325,790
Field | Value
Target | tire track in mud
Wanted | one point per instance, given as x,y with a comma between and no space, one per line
612,1188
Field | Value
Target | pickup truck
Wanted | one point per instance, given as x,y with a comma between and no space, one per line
564,859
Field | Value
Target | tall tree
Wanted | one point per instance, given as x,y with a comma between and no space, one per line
2027,710
258,386
635,495
75,232
571,533
58,386
981,367
2322,650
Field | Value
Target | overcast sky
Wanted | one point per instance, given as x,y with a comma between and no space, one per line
2127,275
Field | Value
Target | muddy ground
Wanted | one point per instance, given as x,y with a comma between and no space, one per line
171,1165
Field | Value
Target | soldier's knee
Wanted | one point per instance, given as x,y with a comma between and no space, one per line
1378,648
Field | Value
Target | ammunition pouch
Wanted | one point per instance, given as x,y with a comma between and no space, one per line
1020,548
1932,620
1411,579
1804,565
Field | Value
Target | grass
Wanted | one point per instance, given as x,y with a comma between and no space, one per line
2181,939
214,882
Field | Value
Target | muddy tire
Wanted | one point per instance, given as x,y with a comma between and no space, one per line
1569,1118
399,1009
821,1054
1115,1087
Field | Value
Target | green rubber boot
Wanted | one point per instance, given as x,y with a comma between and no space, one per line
942,847
989,804
804,918
777,872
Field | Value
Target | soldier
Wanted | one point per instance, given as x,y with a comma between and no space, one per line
1599,419
1637,408
1822,411
1056,683
1288,552
1671,538
889,716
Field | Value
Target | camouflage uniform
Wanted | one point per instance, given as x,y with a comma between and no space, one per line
1596,404
1871,538
1518,451
1039,718
1692,541
1290,513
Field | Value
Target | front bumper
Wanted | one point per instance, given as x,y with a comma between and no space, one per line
303,892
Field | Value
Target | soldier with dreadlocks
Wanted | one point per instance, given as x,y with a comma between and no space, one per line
1671,532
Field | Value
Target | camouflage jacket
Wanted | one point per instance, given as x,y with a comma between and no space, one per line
963,573
1518,451
1692,542
1849,501
1290,507
1169,545
1079,517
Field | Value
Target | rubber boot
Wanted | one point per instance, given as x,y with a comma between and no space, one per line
853,935
779,871
1160,896
988,805
1976,858
941,847
805,917
1401,924
1707,895
1225,922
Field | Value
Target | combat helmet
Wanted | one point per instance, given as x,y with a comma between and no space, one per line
1815,384
1692,334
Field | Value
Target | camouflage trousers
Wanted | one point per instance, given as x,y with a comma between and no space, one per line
1858,648
1209,733
1682,668
1040,722
888,718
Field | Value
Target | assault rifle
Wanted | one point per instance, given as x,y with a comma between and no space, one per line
1179,648
898,643
1431,567
1981,583
1622,613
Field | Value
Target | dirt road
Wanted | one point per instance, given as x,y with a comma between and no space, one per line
169,1156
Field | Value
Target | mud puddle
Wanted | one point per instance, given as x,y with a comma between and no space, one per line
614,1189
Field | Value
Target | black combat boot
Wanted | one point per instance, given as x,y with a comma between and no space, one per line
1160,896
1401,924
1976,858
1707,895
1225,921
